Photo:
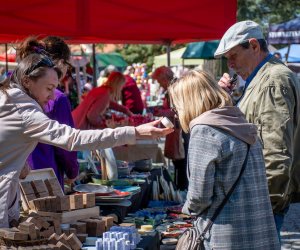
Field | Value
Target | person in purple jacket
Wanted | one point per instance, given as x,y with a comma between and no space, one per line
46,156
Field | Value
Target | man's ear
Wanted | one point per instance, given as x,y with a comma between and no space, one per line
254,44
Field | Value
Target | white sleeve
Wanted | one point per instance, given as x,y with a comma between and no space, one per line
37,126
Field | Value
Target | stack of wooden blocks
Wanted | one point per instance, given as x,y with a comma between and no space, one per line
47,196
38,227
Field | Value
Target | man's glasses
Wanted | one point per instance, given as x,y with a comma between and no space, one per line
45,61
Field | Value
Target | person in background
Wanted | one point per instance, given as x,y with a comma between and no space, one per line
131,96
220,140
46,156
89,113
271,101
23,124
164,76
105,73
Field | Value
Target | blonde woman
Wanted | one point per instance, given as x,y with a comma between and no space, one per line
90,111
218,146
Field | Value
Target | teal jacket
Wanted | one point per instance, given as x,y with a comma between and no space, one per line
271,102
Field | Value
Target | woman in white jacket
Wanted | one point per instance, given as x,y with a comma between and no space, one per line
23,124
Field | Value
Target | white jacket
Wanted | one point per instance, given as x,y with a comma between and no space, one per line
23,124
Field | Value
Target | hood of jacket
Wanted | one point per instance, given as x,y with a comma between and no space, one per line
229,119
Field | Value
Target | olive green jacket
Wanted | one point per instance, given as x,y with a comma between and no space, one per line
272,103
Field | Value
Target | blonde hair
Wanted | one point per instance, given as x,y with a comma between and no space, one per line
195,93
115,81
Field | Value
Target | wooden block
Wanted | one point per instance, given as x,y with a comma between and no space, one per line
53,239
4,231
80,227
40,223
95,228
39,187
48,205
74,242
28,228
63,239
53,187
89,200
43,194
35,221
82,237
49,232
13,234
62,246
109,221
76,201
45,224
62,203
40,204
26,187
30,197
53,247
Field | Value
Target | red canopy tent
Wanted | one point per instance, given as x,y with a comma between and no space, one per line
117,21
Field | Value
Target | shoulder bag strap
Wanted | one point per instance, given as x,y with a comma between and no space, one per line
219,209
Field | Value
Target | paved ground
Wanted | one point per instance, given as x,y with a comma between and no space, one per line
290,233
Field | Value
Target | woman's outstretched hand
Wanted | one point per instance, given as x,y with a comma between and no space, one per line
151,131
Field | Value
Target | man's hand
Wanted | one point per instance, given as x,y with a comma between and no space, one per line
225,83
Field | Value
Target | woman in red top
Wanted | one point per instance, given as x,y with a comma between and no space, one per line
89,112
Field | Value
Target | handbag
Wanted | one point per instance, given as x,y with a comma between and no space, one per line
174,148
192,238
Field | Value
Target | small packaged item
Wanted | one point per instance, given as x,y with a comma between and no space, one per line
167,123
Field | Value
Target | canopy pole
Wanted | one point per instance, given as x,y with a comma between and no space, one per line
168,54
6,59
287,53
95,66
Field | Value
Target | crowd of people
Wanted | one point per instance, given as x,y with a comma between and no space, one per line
240,165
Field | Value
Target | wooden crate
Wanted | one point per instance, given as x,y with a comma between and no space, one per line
39,174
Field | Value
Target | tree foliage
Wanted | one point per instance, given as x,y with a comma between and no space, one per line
134,53
267,12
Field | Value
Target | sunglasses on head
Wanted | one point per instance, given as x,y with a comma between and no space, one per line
45,61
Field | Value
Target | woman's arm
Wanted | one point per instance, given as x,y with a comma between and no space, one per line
38,127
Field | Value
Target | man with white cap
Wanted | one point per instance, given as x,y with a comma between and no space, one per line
270,100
